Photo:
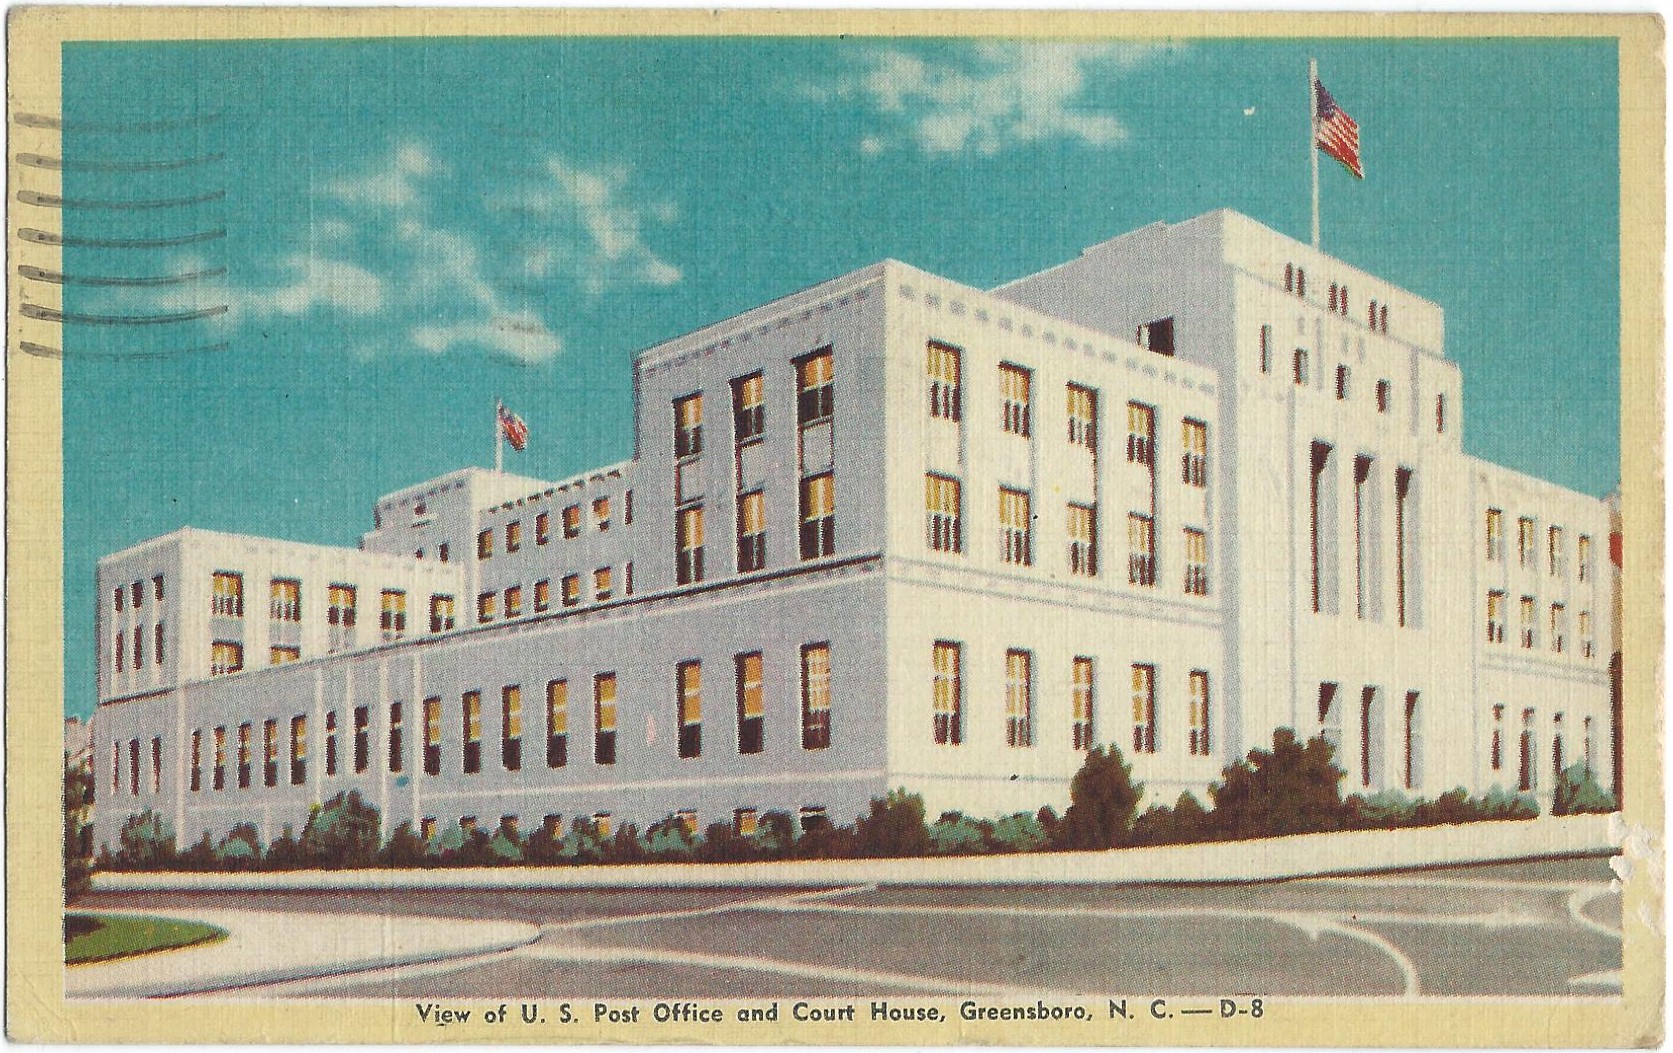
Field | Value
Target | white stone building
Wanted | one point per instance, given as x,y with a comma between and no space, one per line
1199,483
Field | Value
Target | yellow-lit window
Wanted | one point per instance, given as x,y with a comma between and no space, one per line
1495,617
751,706
1583,558
1141,433
1019,699
814,390
688,426
1081,704
543,595
1196,562
601,513
298,750
487,604
227,597
1585,628
441,613
690,556
749,411
1144,709
1525,541
604,718
557,723
948,693
1083,415
818,535
571,589
601,584
470,712
514,601
752,531
690,676
392,618
484,544
1194,460
225,656
1083,544
816,696
1016,543
511,727
1014,382
945,400
1199,713
743,822
514,535
279,654
1495,535
943,506
284,600
1554,551
1141,550
542,528
572,521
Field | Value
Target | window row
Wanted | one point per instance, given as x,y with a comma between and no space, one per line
1371,537
1528,761
1295,283
1016,411
1527,546
133,594
601,588
744,822
1371,765
816,529
1556,624
513,531
285,606
947,690
226,753
815,402
138,636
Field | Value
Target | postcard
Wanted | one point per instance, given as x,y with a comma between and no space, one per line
841,528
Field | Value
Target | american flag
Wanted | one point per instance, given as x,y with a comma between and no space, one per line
512,426
1335,132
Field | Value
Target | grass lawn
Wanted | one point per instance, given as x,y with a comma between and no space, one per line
101,937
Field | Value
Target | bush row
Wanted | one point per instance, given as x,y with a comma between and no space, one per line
1292,788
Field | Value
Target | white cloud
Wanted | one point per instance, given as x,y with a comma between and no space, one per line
991,96
382,261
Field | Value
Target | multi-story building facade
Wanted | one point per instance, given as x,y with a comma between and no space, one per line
894,531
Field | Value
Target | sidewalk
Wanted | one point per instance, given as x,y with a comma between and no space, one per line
268,947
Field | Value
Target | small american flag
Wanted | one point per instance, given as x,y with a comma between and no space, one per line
516,432
1336,133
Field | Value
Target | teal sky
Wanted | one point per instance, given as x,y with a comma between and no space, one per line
414,227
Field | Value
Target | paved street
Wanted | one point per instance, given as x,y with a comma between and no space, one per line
1537,928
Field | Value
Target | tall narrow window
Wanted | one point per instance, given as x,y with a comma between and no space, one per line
751,704
1384,391
1321,501
688,428
157,651
1364,543
1440,414
331,743
340,617
690,708
1556,563
816,696
1342,378
298,750
1144,709
514,601
1559,627
139,647
1495,535
1083,540
1583,558
133,765
1403,565
514,535
441,614
1585,633
945,398
603,584
815,399
197,760
1266,349
1199,713
1527,768
1014,383
156,760
543,528
1301,367
1525,541
572,522
484,544
1495,616
486,604
245,747
1496,750
1414,740
542,595
749,408
392,617
284,600
1194,460
690,569
1141,550
818,513
1528,627
432,736
752,531
511,727
604,718
1016,542
1371,736
943,508
470,712
557,723
947,693
1586,745
1196,562
227,597
1081,704
1083,416
122,653
219,773
1141,433
1019,699
270,753
362,738
397,740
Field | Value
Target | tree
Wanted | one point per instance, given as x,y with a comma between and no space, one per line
1291,789
895,826
404,848
1103,800
146,842
1576,792
78,831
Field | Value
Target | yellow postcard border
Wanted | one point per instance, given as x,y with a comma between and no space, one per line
36,1009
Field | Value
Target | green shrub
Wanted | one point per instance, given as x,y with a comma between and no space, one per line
1103,802
145,842
1019,832
775,835
668,840
342,832
505,846
241,847
1384,809
404,848
1186,821
1577,792
954,834
285,853
1290,789
582,844
895,827
78,832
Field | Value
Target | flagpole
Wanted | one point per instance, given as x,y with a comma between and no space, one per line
1313,138
499,436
